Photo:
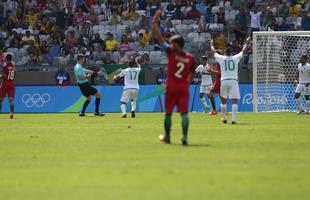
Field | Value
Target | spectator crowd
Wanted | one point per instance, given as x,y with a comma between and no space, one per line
51,33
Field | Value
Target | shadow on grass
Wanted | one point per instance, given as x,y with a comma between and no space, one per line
93,116
192,145
242,124
199,145
8,119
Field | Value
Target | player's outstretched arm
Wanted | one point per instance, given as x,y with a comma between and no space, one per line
246,44
88,75
213,50
89,72
212,71
156,32
137,62
116,78
119,76
209,72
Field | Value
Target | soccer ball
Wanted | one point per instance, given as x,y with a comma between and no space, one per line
162,137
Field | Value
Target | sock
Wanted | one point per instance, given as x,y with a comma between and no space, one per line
85,106
167,124
308,105
123,108
133,106
203,101
0,106
11,106
213,103
223,108
97,104
234,112
185,125
299,103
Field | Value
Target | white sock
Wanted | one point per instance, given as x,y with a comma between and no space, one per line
224,110
308,105
123,108
133,106
204,102
299,104
234,112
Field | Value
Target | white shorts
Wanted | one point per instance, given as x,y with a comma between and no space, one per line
303,89
205,89
230,89
129,94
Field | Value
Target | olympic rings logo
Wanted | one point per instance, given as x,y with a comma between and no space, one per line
36,100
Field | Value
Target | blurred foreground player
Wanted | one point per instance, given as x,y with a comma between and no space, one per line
181,69
8,83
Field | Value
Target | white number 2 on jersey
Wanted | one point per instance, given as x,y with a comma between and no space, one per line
181,67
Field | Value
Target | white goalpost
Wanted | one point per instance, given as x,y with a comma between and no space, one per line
275,59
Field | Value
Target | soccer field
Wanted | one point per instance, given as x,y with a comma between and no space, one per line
62,156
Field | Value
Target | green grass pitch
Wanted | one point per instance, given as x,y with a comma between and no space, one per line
64,157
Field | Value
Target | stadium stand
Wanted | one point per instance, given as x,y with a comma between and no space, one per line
41,34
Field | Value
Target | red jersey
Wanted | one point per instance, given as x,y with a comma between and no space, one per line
217,82
180,66
7,87
8,73
2,57
217,68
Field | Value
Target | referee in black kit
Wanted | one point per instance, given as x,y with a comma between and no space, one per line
82,75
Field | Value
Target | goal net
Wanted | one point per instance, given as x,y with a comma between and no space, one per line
275,60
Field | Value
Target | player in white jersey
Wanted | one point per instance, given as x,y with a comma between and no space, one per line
229,79
206,83
303,84
131,88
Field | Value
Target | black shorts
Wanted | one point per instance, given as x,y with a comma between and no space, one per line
87,90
